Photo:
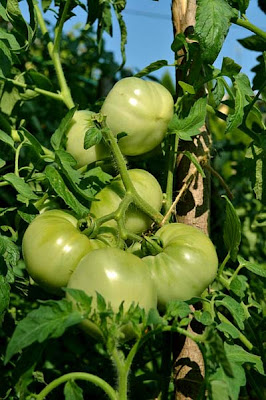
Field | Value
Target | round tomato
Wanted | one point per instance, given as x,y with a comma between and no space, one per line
119,277
110,197
142,110
81,122
186,266
52,247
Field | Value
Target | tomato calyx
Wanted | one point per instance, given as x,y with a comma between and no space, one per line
151,246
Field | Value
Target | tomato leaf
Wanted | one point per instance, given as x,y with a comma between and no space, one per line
212,24
48,321
253,267
92,137
229,67
189,126
20,185
256,167
72,391
194,160
4,295
57,137
151,68
59,186
253,42
235,309
4,137
232,229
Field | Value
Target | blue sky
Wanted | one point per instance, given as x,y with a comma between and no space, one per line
150,35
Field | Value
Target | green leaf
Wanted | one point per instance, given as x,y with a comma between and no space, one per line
194,160
219,390
179,42
229,67
33,141
92,137
2,163
190,126
6,60
20,185
232,229
9,251
154,318
253,267
72,391
4,137
101,303
118,7
177,309
46,4
204,317
4,295
48,321
59,186
212,24
56,138
239,286
254,43
186,87
256,167
234,308
238,355
83,301
151,68
242,88
66,163
228,329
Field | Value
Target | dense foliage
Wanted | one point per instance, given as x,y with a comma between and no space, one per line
47,78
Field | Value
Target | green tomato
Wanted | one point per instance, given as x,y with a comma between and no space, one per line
81,122
185,267
142,110
52,247
110,197
119,277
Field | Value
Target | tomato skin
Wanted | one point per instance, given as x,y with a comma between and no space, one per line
81,122
118,276
185,267
52,247
140,108
110,197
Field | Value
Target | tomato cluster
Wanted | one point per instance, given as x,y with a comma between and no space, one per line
58,254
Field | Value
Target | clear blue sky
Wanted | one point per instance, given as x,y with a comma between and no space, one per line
150,35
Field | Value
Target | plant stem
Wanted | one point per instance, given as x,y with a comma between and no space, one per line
82,376
55,96
122,373
173,145
221,268
241,337
121,165
54,53
248,25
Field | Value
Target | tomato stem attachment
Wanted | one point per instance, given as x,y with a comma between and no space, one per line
130,189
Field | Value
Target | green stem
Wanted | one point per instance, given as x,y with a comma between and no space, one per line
241,337
122,373
78,375
121,165
235,273
55,96
54,53
17,158
229,90
173,145
221,268
248,25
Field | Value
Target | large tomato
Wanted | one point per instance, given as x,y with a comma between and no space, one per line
110,197
52,247
81,122
141,109
119,277
186,266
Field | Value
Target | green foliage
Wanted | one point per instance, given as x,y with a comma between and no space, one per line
41,341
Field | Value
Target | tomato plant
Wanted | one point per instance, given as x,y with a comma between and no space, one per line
186,266
52,247
140,109
110,197
81,122
119,277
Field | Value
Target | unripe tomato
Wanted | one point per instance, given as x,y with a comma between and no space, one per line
186,266
81,122
141,109
52,247
110,197
119,277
